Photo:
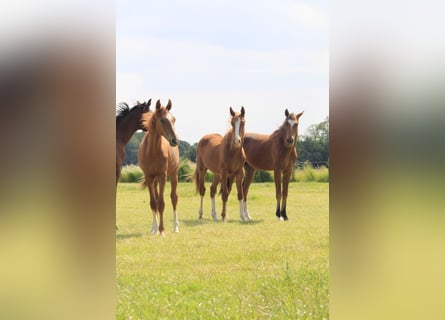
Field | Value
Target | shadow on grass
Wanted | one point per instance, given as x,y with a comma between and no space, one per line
127,236
196,222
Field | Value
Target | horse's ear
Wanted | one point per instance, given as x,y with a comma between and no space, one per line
137,102
243,112
300,114
232,112
158,105
286,113
169,105
147,105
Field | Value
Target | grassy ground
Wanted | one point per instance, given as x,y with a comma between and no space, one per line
261,269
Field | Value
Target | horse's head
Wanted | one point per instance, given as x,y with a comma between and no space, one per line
237,122
165,123
142,108
290,126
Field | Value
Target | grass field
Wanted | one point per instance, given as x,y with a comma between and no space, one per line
262,269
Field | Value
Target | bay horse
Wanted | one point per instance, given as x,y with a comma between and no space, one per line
275,152
225,157
128,121
158,157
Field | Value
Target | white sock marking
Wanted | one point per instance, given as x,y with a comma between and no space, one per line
154,223
241,211
175,222
214,210
246,212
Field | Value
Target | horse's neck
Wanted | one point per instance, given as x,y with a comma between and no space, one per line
280,136
154,140
228,137
227,141
281,133
125,130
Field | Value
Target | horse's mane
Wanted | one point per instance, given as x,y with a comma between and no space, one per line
122,110
279,131
228,133
147,120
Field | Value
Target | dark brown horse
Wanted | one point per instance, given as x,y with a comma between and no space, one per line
275,152
224,156
159,157
128,121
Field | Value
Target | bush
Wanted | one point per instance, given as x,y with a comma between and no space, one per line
263,176
209,176
308,174
185,171
131,173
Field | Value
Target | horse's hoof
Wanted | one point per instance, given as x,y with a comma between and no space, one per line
280,218
153,231
162,233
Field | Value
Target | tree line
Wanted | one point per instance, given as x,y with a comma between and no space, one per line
313,147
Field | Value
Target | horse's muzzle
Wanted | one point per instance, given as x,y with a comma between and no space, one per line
290,142
237,142
173,142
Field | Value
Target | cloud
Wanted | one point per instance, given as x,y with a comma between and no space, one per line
308,16
264,55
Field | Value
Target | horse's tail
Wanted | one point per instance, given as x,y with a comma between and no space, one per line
229,185
196,180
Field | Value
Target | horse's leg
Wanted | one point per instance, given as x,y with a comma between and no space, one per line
174,199
248,178
230,180
161,204
213,189
225,195
286,178
239,188
200,185
277,178
156,187
153,204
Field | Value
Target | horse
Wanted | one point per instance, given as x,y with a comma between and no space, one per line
158,157
128,121
275,152
225,157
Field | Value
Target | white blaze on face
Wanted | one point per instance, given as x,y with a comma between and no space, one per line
237,125
291,122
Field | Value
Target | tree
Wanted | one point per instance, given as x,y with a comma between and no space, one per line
184,146
187,151
132,147
314,146
191,153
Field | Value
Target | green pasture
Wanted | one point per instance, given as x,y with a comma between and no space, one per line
262,269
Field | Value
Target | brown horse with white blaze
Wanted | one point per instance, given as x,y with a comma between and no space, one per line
128,121
275,152
225,157
159,157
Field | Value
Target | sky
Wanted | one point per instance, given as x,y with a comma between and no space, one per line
207,56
